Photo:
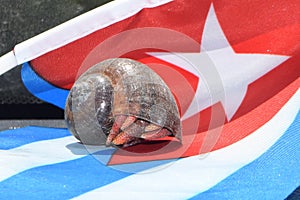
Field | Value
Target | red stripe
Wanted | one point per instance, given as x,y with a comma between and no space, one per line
272,25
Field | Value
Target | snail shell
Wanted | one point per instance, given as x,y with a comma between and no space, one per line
118,87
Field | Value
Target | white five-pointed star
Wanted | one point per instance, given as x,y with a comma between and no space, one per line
224,75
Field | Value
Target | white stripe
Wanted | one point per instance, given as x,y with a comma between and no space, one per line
189,176
41,153
78,27
7,62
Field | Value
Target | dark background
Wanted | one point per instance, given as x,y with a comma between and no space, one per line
21,20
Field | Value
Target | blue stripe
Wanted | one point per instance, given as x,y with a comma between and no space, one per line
42,89
66,180
60,181
14,138
274,175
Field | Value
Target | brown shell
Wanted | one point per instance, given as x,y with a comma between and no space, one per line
118,87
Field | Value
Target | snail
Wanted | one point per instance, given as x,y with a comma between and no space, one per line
121,102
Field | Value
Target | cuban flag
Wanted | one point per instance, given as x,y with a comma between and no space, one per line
233,68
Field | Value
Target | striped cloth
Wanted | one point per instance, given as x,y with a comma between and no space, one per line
234,71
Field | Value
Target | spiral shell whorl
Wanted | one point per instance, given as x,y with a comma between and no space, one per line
118,87
88,109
